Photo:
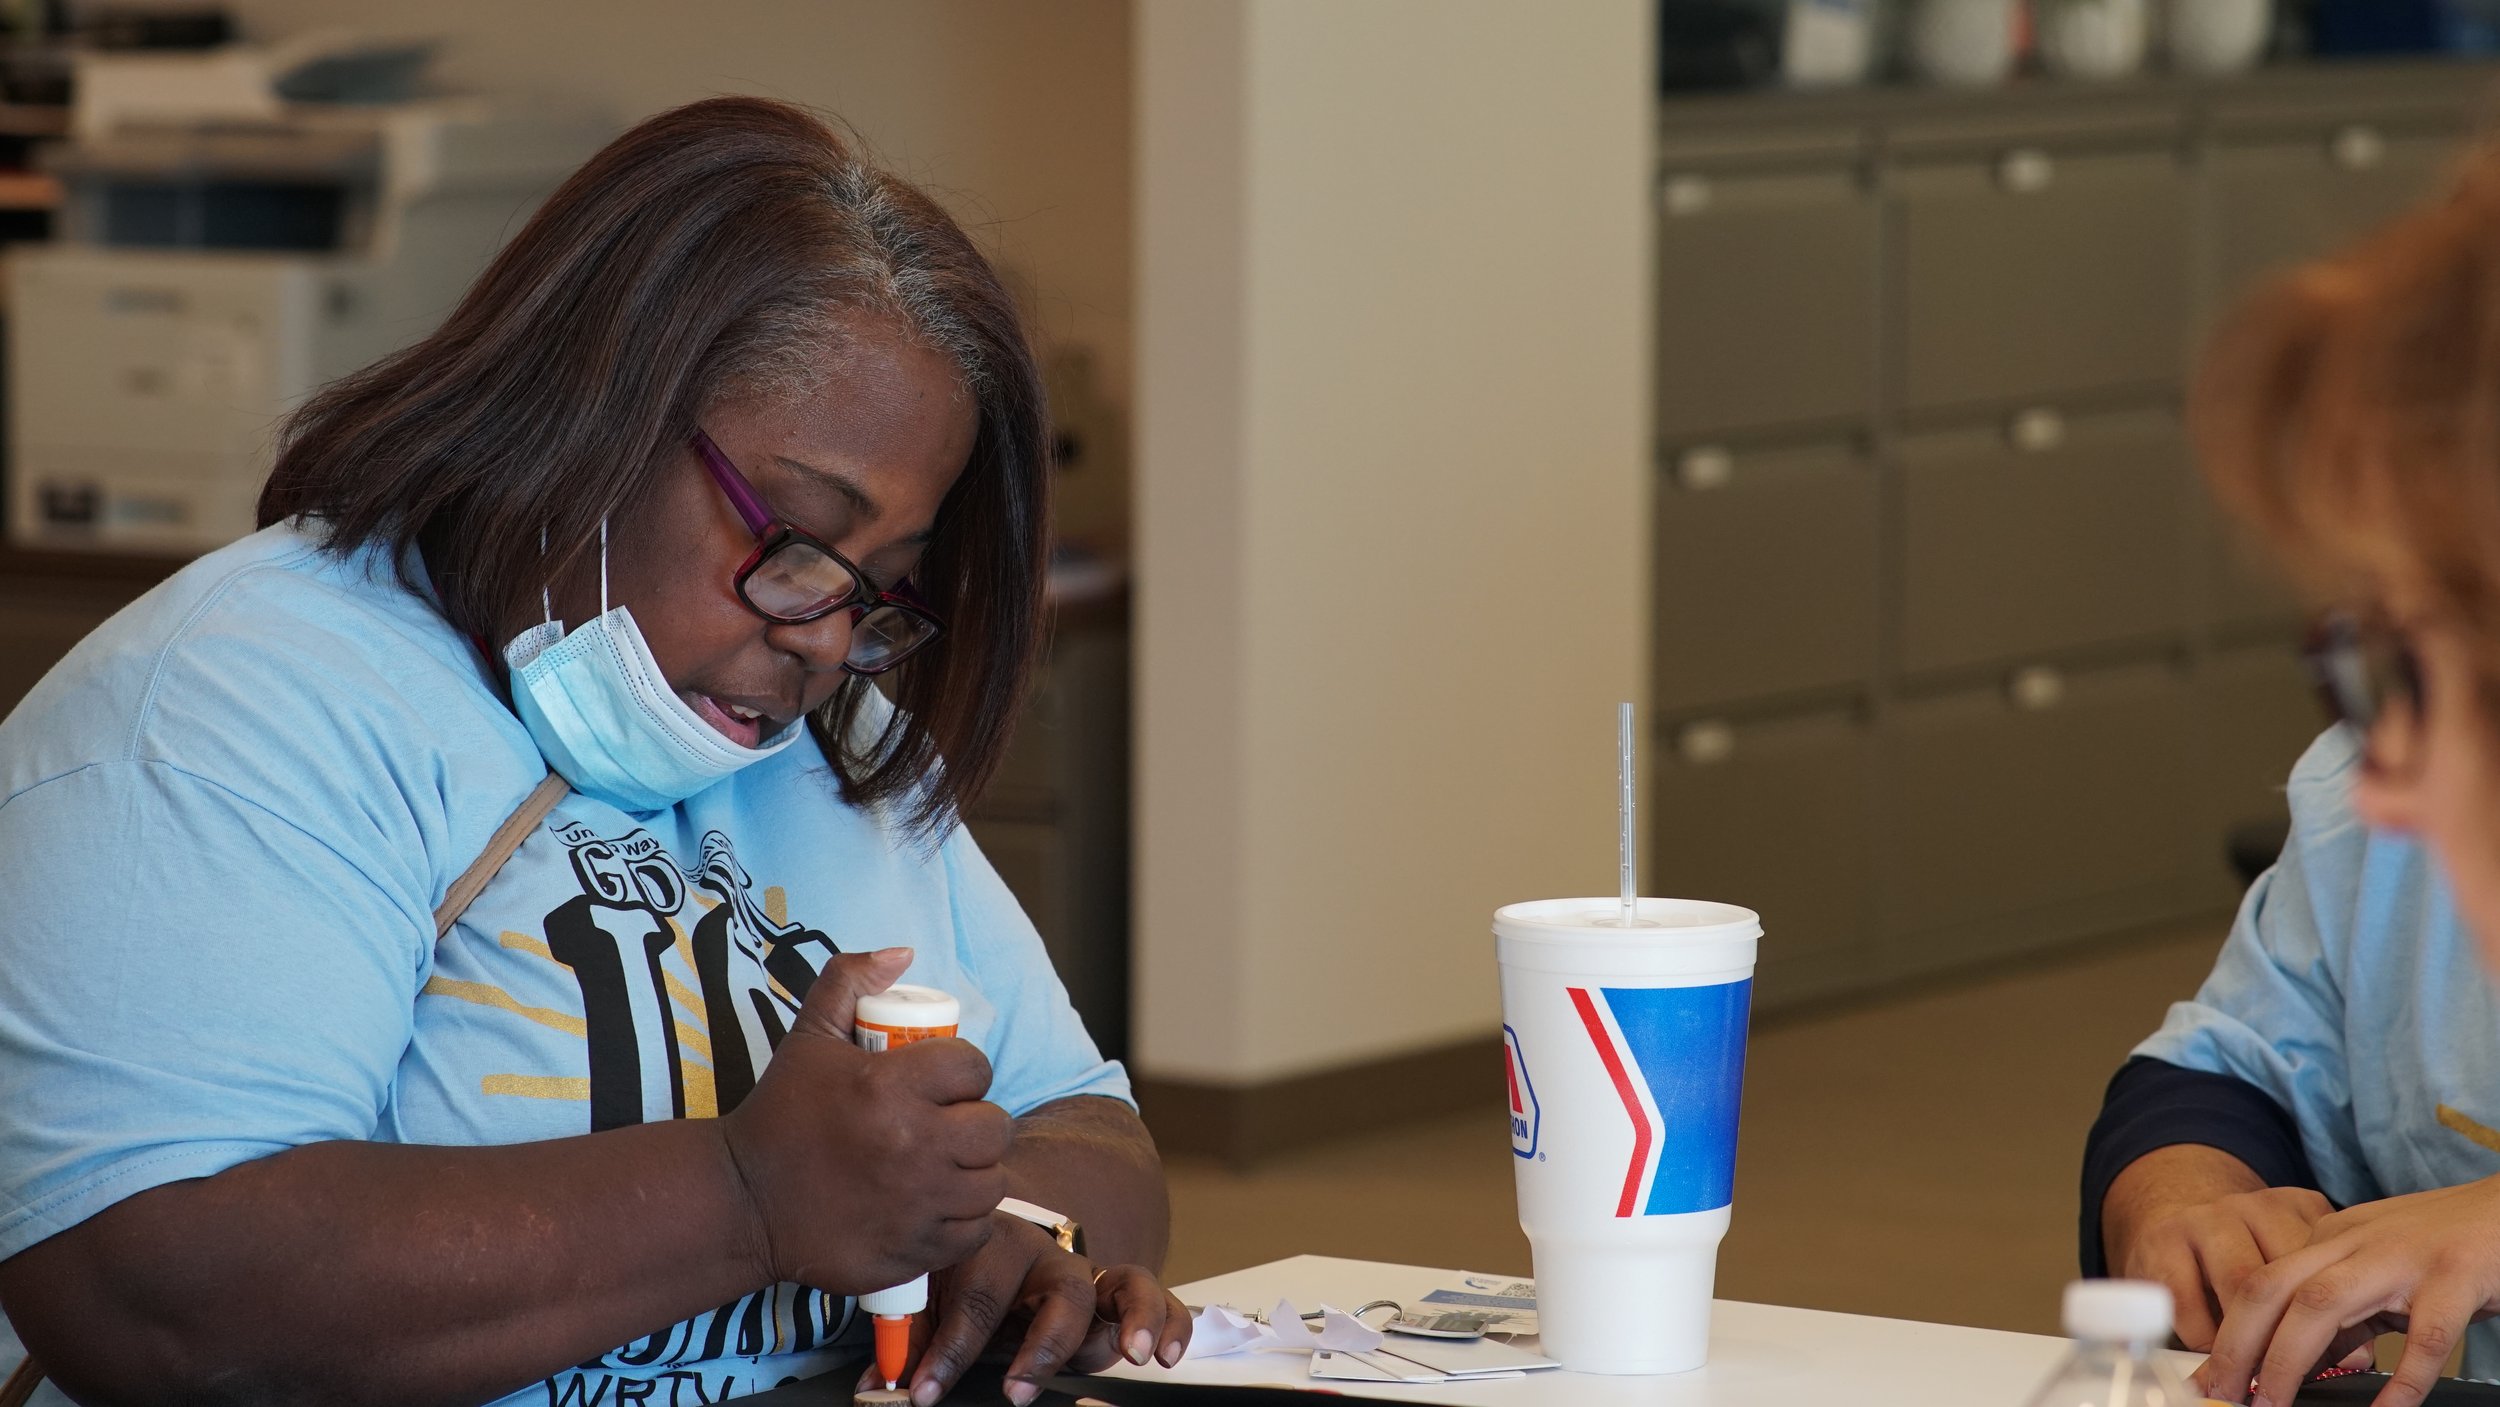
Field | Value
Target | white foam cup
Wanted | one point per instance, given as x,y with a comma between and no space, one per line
1626,1049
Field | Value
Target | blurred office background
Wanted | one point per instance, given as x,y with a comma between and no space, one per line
1429,377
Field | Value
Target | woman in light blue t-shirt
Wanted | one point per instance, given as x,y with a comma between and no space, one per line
592,583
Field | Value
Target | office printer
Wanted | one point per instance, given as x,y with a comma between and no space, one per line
212,269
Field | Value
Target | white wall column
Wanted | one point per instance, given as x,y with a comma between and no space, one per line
1393,462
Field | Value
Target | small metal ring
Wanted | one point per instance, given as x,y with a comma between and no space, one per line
1099,1272
1366,1309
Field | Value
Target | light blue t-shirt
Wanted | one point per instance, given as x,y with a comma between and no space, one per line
228,817
2350,992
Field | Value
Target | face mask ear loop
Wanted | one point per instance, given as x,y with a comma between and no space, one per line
546,601
603,566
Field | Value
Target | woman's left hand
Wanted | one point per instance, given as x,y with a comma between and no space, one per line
1072,1313
2426,1265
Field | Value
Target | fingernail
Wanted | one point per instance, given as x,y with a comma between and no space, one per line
2261,1400
883,953
1022,1393
1140,1344
1171,1354
926,1395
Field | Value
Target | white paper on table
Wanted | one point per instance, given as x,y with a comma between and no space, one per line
1468,1358
1471,1361
1390,1367
1220,1329
1330,1366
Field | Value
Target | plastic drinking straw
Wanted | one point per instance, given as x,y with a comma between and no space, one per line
1630,803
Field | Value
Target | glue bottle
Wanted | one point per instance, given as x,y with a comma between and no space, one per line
2119,1328
884,1020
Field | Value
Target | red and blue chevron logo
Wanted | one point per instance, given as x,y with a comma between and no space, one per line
1676,1056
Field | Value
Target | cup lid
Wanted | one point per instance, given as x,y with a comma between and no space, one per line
1672,940
1700,920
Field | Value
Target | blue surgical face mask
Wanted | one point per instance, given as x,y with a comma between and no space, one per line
604,716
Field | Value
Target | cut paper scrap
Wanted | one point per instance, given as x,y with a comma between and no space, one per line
1220,1329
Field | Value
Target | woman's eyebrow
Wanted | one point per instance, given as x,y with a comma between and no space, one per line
836,480
851,491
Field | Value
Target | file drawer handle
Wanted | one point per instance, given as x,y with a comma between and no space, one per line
1685,195
2358,147
2036,689
1704,468
2026,171
1705,744
2036,431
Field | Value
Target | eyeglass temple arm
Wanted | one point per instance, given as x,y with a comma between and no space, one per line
741,494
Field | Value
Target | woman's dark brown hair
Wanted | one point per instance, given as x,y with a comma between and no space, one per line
2350,410
712,252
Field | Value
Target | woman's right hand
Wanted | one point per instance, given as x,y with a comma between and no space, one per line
862,1171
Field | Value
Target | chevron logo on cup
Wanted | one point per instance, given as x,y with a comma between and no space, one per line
1676,1056
1523,1110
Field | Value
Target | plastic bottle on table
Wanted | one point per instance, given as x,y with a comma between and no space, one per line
2119,1328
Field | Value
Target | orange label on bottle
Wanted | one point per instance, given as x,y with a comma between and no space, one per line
872,1036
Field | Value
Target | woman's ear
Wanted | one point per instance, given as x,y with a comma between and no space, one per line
2386,801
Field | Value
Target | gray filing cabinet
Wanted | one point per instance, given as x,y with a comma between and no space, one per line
1953,658
1055,821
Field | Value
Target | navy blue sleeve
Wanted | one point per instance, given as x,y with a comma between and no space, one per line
2154,1104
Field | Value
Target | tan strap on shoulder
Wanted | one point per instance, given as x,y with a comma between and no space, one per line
22,1383
499,847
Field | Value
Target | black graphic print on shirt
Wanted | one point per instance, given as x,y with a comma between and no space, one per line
642,1023
687,983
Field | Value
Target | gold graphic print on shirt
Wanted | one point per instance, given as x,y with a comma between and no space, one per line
2456,1121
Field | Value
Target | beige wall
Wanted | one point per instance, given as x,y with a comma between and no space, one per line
1016,115
1392,461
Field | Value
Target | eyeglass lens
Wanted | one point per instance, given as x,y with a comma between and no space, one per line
884,636
797,582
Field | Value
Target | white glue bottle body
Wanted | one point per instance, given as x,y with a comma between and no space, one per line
887,1020
2120,1328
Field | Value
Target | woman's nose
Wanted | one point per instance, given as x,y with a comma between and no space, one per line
822,644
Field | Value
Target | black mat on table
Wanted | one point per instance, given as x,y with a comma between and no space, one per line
2356,1390
982,1387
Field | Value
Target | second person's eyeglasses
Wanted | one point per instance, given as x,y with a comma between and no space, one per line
2369,679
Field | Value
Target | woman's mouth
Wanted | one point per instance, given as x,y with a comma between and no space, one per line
741,725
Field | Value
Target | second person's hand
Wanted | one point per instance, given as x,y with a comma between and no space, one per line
2199,1221
2427,1265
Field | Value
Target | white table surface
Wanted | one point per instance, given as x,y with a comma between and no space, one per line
1760,1355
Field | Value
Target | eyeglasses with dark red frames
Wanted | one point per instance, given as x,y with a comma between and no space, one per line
793,578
